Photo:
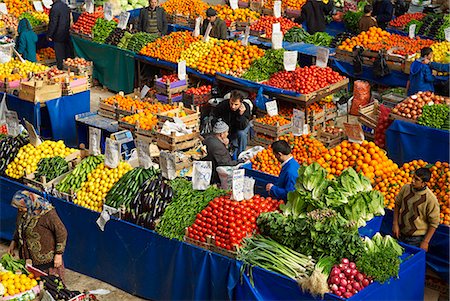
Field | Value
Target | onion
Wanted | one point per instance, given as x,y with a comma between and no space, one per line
352,265
342,289
345,261
335,271
407,110
408,116
341,275
354,272
347,295
413,97
365,282
336,280
356,286
339,293
343,282
348,272
395,111
349,287
334,288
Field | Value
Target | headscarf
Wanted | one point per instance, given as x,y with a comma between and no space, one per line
24,25
35,204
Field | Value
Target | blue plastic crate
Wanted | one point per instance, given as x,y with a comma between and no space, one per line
261,178
373,226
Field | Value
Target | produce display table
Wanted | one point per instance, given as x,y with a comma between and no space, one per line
159,268
113,67
58,114
438,251
406,141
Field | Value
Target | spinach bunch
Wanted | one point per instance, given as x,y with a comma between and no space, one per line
264,67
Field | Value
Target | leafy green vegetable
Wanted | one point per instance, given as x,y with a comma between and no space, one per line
264,67
418,25
13,265
298,34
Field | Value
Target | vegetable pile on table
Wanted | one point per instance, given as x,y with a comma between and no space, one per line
182,211
435,116
169,47
262,68
35,18
102,29
191,8
412,107
433,26
339,38
139,40
9,148
225,12
298,34
403,20
264,24
197,50
115,36
50,168
346,280
57,289
123,43
86,22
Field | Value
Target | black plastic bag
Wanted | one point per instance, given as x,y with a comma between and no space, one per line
358,60
380,66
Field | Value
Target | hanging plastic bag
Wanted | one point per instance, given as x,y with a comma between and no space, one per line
167,165
358,60
112,153
249,184
361,96
380,66
250,153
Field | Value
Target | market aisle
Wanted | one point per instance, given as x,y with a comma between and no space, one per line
76,281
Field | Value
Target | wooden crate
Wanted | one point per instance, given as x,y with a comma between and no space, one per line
146,136
204,245
243,4
368,114
170,88
394,62
256,5
292,13
398,117
228,253
191,120
272,130
123,125
269,11
183,20
87,70
107,110
195,100
258,140
256,33
175,143
39,91
330,140
70,90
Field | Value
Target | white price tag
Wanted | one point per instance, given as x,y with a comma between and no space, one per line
47,3
272,108
412,31
238,185
144,91
198,22
277,9
207,32
107,11
123,19
95,135
34,138
38,6
277,40
103,219
201,175
276,27
234,4
3,8
143,152
447,34
182,70
167,165
112,153
246,36
89,6
322,57
290,60
298,122
12,123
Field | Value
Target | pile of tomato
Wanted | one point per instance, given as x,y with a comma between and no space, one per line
86,21
265,23
305,80
228,221
170,78
403,20
202,90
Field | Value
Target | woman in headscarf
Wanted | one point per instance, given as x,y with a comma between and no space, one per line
26,41
40,235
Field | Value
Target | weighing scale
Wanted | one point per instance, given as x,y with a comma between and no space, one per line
126,141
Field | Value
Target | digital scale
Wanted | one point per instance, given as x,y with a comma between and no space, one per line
126,141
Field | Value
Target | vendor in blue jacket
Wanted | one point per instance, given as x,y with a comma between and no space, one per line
289,171
421,77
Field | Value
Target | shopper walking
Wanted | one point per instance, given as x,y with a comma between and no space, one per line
153,19
383,10
314,14
26,40
40,235
58,31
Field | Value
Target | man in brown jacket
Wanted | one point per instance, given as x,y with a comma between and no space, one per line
219,27
367,20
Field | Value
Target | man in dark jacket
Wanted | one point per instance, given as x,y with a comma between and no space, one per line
153,19
219,27
216,146
383,10
236,113
58,31
314,12
421,77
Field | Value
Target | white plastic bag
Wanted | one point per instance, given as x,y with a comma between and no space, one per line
112,153
95,135
226,176
167,165
250,153
3,110
249,184
201,175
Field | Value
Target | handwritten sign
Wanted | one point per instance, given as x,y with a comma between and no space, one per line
167,165
277,40
201,175
12,123
198,22
272,108
3,8
144,91
123,19
246,36
277,9
38,6
107,11
34,138
290,60
207,32
182,70
412,31
89,6
143,152
447,34
322,57
276,27
112,153
234,4
238,184
298,122
95,135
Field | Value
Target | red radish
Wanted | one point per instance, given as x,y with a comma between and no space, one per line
347,295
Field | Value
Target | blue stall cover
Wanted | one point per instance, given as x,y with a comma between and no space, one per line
27,110
143,263
407,141
438,250
62,113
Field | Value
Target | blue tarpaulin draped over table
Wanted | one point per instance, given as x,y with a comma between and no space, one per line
438,251
27,110
407,141
141,262
62,113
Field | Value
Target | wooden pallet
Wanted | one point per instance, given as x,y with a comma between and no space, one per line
176,143
272,130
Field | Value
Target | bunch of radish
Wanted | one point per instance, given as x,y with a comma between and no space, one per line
345,280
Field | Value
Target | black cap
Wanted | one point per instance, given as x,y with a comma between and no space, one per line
210,12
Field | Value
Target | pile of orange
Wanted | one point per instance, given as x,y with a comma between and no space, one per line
376,39
147,121
366,157
169,47
189,8
273,120
45,54
130,104
17,7
229,56
305,149
390,185
292,4
225,12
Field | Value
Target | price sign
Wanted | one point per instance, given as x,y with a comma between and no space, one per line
238,184
272,108
143,152
277,9
47,3
277,40
208,31
354,132
103,219
290,60
34,138
167,165
112,153
38,6
322,57
12,123
182,70
447,34
123,19
3,8
95,135
412,31
276,27
201,175
246,35
198,22
89,6
144,91
234,4
298,122
107,11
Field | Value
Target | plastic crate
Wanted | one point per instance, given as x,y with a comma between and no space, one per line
261,178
